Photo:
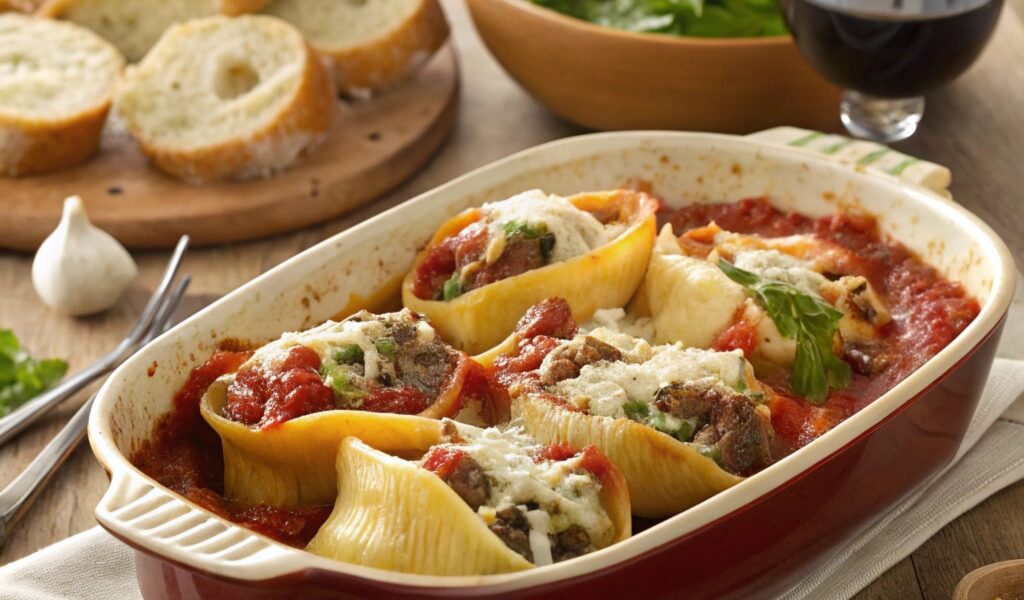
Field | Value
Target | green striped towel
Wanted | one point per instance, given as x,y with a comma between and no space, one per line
862,153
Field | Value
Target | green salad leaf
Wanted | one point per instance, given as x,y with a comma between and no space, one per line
21,376
808,320
698,18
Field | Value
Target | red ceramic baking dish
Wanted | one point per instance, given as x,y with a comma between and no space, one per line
753,540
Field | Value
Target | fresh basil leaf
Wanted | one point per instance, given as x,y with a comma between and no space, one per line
808,320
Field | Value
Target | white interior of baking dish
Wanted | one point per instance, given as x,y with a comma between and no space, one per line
313,286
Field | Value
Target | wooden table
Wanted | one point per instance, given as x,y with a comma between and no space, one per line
976,126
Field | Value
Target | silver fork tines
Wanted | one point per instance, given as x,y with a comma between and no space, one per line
18,496
12,424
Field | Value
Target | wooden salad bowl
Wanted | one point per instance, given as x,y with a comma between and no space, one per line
604,78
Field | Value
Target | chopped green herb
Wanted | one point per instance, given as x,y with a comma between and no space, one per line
547,244
452,287
700,18
526,230
806,319
22,377
386,347
349,355
711,452
341,383
741,382
636,411
652,416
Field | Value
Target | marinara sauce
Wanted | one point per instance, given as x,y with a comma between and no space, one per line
185,455
928,311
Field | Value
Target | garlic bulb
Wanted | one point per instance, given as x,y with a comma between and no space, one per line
81,269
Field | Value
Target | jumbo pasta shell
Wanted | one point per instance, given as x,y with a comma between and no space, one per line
665,476
392,514
292,465
605,277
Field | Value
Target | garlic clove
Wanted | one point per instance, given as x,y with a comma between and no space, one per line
81,269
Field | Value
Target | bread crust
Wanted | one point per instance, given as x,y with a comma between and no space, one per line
240,7
36,146
32,145
384,61
309,113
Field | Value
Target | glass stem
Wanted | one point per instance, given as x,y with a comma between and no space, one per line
882,120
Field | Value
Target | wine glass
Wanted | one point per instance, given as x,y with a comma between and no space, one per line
887,53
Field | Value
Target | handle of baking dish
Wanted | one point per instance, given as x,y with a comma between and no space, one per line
151,518
862,154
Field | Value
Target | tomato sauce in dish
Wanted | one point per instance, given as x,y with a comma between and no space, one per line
185,455
928,311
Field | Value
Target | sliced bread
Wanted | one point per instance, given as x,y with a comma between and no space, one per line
373,44
25,6
131,25
239,7
228,97
56,84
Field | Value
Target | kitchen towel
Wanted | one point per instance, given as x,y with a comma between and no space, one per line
93,565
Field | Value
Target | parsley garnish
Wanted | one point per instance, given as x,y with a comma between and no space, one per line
806,319
22,377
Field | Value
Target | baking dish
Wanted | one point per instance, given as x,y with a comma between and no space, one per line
755,539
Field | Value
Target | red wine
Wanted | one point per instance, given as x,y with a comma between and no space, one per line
891,48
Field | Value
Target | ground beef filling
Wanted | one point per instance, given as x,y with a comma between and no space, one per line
469,480
520,255
424,366
566,361
726,421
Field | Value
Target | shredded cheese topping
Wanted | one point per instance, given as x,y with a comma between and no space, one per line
564,493
576,231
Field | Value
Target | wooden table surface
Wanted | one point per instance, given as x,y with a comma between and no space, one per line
975,126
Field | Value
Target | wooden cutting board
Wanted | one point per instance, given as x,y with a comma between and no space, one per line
373,146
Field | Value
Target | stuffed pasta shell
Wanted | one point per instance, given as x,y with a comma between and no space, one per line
784,302
681,423
477,502
486,266
281,416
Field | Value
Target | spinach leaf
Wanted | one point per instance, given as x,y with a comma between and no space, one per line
700,18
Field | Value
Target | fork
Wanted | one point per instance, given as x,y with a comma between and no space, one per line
19,495
30,412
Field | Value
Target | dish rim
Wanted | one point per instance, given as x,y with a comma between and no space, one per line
780,475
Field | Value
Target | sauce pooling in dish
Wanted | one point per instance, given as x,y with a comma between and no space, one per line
926,310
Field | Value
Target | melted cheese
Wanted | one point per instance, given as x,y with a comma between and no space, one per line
773,265
692,301
566,494
576,231
362,329
603,387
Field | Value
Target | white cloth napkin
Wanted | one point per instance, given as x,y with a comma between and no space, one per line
93,565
